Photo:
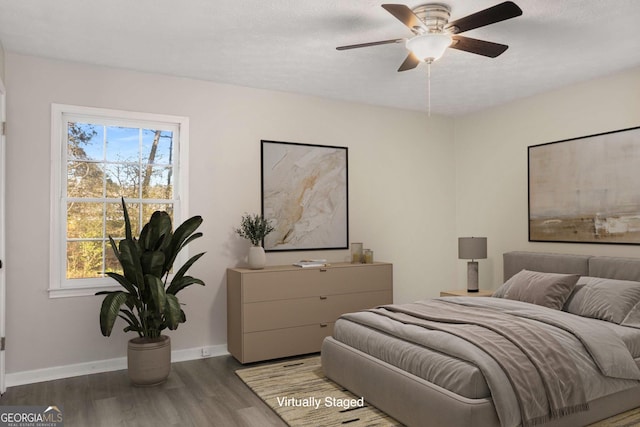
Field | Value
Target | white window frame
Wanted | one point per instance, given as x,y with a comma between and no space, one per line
59,285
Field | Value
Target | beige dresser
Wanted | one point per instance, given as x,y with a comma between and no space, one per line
284,311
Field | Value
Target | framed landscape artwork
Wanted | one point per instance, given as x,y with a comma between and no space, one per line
586,190
305,196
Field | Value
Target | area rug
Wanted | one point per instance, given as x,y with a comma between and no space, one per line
626,419
301,395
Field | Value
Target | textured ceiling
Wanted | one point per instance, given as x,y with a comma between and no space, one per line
289,45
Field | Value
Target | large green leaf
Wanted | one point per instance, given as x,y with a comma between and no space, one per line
156,289
145,237
156,232
173,313
130,261
181,234
187,265
152,263
189,240
124,282
131,319
109,310
114,247
178,285
127,222
161,221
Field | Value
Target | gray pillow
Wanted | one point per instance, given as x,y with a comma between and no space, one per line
499,293
546,289
605,299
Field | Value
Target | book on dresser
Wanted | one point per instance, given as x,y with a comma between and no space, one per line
307,263
283,311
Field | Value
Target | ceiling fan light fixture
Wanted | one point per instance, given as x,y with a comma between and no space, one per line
429,47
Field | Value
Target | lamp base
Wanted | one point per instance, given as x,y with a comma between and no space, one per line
472,276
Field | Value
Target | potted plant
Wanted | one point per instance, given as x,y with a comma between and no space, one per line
148,302
254,228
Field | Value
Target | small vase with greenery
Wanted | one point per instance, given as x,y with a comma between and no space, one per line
254,228
148,302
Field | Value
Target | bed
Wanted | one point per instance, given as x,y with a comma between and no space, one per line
423,367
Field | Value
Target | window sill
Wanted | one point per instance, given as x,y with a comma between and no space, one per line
81,291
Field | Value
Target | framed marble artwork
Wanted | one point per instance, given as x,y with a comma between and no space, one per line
585,190
305,196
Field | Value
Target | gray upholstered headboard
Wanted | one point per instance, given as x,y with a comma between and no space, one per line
515,262
584,265
615,268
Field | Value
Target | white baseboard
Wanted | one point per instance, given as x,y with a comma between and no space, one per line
67,371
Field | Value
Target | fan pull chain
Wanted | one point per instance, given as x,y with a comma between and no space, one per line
429,88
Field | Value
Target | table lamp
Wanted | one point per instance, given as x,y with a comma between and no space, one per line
472,248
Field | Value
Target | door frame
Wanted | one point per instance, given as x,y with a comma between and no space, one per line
3,117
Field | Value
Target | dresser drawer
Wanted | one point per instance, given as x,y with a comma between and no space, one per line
284,342
265,315
309,282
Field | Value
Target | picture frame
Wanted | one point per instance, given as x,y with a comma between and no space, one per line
305,196
586,189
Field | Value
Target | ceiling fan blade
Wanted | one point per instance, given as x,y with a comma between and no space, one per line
479,47
410,62
405,15
355,46
497,13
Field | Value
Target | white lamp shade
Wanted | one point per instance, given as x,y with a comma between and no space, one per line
429,47
472,247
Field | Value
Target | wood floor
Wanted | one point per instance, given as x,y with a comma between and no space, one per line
204,392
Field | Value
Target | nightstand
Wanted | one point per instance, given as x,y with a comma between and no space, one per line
465,293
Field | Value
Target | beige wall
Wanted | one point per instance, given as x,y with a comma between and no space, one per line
415,185
2,60
491,162
401,178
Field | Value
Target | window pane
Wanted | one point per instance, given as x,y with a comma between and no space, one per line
85,141
84,220
115,219
123,180
157,182
84,259
84,179
157,146
123,144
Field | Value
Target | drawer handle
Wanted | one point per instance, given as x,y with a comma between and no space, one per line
323,325
323,297
322,269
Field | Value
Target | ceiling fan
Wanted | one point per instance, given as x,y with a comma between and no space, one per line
433,33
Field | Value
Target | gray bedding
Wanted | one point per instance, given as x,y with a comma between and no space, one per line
603,361
452,373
